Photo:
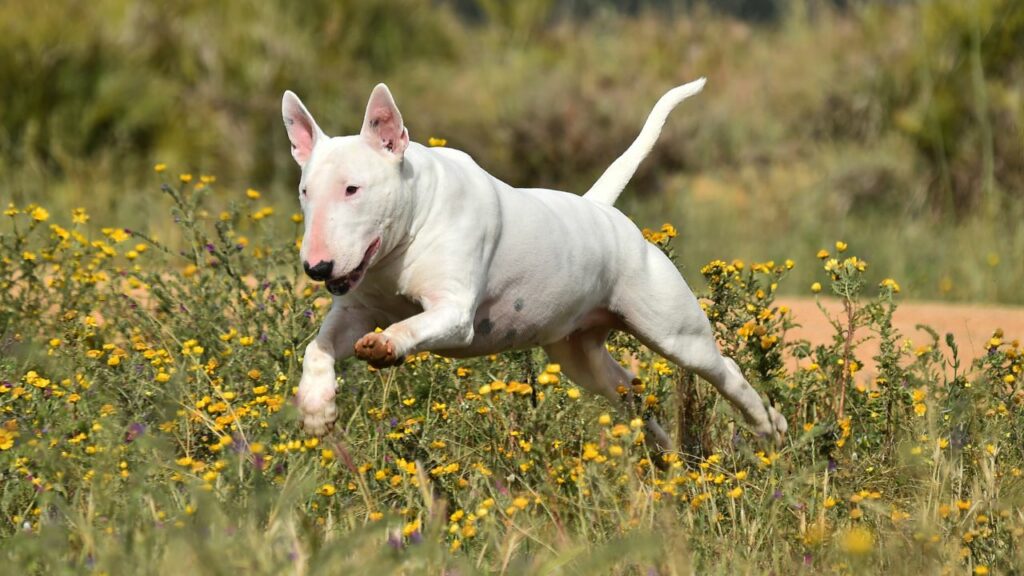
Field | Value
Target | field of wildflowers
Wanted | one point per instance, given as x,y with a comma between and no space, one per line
146,427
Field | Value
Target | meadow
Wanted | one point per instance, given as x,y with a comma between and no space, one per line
147,427
153,310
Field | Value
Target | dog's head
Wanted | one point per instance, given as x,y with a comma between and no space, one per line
350,188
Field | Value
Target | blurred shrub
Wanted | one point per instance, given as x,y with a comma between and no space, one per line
895,108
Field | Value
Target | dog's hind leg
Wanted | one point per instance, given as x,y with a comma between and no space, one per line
586,361
660,310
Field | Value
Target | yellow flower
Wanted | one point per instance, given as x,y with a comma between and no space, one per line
857,541
981,570
573,393
159,167
7,438
816,287
327,490
434,142
79,216
735,492
840,246
891,284
252,194
39,214
411,528
823,254
185,178
669,230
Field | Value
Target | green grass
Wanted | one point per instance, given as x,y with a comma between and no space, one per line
146,427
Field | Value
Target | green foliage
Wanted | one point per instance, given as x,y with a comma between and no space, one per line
146,426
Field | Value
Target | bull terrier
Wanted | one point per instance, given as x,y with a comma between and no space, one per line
452,260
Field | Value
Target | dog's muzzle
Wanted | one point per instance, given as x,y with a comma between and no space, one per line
343,284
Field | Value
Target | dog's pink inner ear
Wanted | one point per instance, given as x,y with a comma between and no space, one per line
302,140
302,129
383,126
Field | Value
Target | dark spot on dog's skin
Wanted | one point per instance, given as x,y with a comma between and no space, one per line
518,304
485,326
511,335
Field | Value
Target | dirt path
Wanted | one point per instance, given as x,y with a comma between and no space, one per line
971,324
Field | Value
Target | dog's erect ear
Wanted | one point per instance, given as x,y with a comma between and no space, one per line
382,126
302,129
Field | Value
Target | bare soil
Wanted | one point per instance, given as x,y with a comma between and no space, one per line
971,324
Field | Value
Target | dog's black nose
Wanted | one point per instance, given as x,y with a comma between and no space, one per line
322,271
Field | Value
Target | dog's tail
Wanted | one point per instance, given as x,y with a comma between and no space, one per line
608,187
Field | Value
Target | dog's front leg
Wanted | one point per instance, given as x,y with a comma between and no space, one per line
315,398
444,325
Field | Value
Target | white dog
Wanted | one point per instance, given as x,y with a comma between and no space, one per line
450,259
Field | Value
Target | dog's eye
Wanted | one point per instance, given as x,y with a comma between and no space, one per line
351,190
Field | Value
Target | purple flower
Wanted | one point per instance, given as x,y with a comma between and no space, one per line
502,488
135,430
210,248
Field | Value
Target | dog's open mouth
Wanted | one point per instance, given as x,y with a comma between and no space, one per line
342,284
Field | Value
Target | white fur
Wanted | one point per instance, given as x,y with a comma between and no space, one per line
469,266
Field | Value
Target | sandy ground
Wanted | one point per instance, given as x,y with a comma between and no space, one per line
971,324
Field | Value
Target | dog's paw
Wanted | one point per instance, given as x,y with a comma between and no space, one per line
377,350
319,420
774,427
316,405
779,425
